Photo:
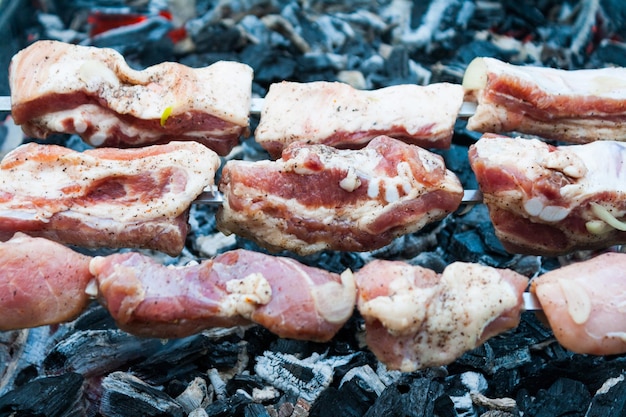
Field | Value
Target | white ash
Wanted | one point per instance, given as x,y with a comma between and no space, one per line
304,377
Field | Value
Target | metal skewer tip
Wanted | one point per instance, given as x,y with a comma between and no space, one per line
531,302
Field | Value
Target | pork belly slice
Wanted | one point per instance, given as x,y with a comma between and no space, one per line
585,304
104,197
336,114
548,200
416,318
92,92
41,282
577,106
317,197
238,287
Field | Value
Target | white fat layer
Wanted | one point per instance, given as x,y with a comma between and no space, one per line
245,295
104,123
286,116
591,169
68,178
603,82
222,89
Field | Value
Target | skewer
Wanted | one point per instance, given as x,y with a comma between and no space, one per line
256,106
214,197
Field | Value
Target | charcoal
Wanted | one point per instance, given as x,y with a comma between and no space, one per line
23,353
196,395
456,160
459,389
218,384
610,399
198,352
610,51
360,366
566,397
269,65
388,404
468,245
54,396
96,317
245,382
444,407
488,235
430,260
94,352
349,400
230,406
126,395
424,392
255,410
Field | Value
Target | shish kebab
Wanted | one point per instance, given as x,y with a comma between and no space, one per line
214,197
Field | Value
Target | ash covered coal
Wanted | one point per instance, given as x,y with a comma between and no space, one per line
89,367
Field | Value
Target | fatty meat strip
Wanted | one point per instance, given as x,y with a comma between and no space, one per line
575,106
137,198
585,304
551,200
92,92
416,318
317,197
336,114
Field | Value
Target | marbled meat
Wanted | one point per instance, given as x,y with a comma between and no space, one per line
317,197
549,200
575,106
339,115
105,197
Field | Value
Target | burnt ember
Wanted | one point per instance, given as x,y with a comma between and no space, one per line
89,367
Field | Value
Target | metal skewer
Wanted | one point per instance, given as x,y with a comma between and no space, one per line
256,106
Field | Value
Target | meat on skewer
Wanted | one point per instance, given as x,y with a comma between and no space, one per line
416,318
549,200
585,304
318,197
575,106
238,287
41,282
104,197
92,92
336,114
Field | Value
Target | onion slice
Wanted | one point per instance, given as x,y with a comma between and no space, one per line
606,216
